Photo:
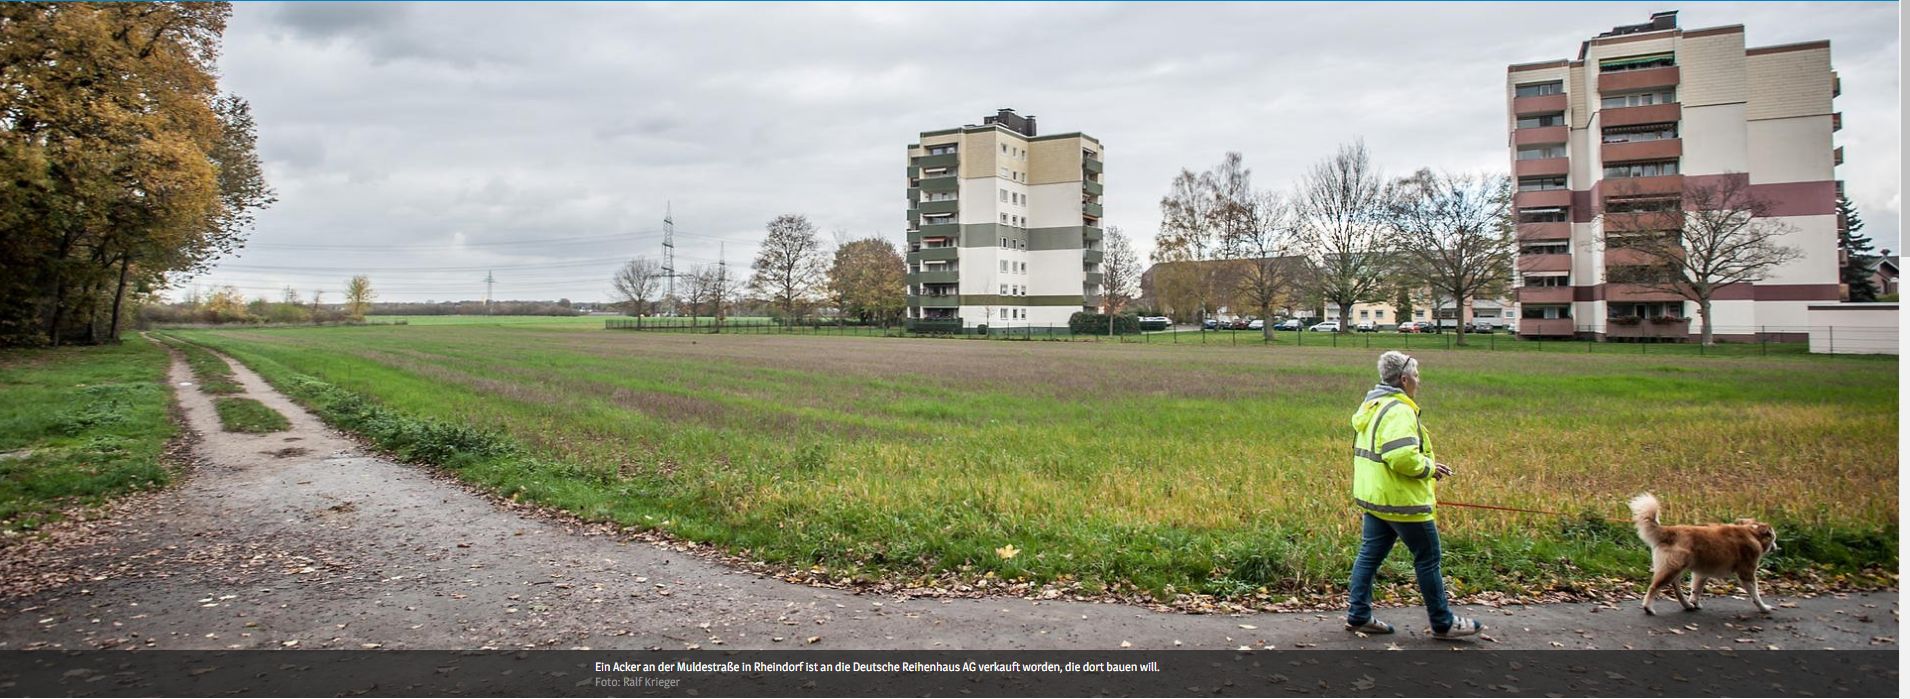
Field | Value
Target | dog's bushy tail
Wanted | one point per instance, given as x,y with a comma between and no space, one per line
1644,513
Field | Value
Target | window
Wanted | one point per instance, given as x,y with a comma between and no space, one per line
1508,313
1004,195
1545,215
1541,184
1547,280
1363,314
1004,148
1616,65
1004,314
1420,312
1379,315
1542,120
1652,169
1004,242
1024,267
1556,150
941,150
1004,265
1547,312
1639,99
1642,132
1560,248
1640,205
1638,274
1667,309
1540,89
1004,289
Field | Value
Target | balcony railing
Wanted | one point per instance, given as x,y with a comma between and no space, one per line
1636,292
1091,256
1546,327
1643,221
1542,198
1091,210
1545,263
1647,114
1661,149
1627,80
945,206
1559,230
1541,104
1661,327
927,254
1540,136
936,301
1629,186
1541,166
948,160
1091,187
1545,294
1090,164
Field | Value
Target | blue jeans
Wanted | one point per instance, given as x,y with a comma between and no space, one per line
1422,539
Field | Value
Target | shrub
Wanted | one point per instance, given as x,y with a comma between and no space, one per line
1085,323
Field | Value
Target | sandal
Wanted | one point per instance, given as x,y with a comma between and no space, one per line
1372,626
1461,627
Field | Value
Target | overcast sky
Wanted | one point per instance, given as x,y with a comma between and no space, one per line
426,144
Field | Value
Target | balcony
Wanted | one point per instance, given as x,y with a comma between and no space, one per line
947,160
936,301
1628,186
1542,104
1542,166
1545,294
1643,221
946,206
1540,136
1837,156
1090,234
1541,198
1091,278
1636,292
913,216
1633,116
1091,257
929,254
1091,187
1090,164
947,230
1661,149
946,276
1545,263
1648,328
1091,210
1631,257
1559,230
1628,80
1837,121
940,184
1546,327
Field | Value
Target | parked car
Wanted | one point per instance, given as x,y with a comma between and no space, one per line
1154,323
1256,324
1238,324
1288,324
1482,327
1366,326
1408,327
1210,324
1418,326
1331,326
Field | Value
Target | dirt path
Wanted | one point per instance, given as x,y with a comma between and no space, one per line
301,539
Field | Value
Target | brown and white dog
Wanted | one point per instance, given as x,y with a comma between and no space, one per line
1707,550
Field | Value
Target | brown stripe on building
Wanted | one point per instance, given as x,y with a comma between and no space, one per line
1714,31
1798,292
1781,48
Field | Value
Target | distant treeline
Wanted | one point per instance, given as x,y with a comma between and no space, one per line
561,307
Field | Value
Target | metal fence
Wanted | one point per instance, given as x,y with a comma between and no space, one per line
1763,340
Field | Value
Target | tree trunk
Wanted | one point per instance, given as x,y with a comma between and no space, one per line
1704,321
1266,322
119,295
1346,311
1459,314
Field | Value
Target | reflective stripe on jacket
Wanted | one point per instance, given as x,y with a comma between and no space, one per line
1392,458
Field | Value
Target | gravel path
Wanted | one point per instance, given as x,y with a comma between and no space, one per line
302,539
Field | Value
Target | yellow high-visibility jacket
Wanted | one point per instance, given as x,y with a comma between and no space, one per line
1392,458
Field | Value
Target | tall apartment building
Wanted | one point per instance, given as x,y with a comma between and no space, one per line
1612,141
1004,224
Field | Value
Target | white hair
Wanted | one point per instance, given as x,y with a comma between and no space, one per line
1395,366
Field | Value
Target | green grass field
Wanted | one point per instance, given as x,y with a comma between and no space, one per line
1172,468
78,425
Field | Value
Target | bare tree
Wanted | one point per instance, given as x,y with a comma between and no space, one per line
636,282
1260,236
1717,234
790,265
1340,205
1454,233
1120,270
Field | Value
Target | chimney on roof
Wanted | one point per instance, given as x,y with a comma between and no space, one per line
1664,20
1007,117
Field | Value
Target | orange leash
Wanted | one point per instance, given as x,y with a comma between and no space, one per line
1448,503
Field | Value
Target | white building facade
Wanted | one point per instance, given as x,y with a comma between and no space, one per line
1613,141
1004,225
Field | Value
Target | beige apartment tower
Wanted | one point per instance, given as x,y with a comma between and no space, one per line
1611,142
1004,225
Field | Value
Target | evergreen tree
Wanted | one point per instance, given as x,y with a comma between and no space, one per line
1857,258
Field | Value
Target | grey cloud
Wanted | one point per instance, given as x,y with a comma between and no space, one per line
393,126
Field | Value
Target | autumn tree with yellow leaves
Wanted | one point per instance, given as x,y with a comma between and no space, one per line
122,162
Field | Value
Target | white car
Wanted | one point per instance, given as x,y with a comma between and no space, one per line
1257,324
1331,326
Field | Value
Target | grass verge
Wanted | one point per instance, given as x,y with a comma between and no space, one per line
79,425
214,375
248,415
